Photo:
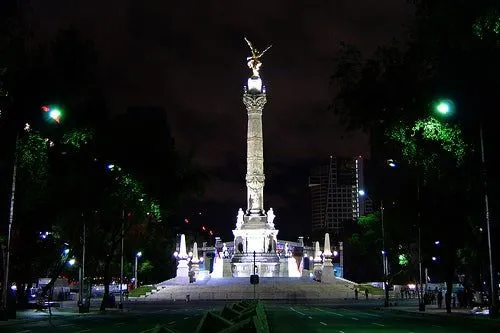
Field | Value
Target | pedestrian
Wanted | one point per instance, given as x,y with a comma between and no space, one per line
356,292
440,299
366,293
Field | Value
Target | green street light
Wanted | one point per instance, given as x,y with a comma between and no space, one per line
444,107
53,113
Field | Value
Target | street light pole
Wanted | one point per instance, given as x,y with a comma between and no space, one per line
121,263
9,232
138,254
384,257
487,217
420,291
82,307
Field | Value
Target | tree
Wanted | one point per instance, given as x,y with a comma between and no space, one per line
391,94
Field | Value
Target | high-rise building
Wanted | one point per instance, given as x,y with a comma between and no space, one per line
335,187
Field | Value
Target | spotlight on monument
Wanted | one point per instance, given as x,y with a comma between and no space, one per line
335,253
361,193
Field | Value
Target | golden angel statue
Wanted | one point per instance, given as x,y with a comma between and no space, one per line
253,61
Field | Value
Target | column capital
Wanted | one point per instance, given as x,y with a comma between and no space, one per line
254,102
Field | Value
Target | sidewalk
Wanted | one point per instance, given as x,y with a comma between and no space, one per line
65,309
430,309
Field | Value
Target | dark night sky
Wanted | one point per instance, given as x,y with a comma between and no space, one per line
189,57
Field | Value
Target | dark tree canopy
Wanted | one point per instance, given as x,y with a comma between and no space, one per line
451,52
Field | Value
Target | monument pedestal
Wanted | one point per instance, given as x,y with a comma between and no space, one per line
255,234
317,270
182,271
327,275
266,265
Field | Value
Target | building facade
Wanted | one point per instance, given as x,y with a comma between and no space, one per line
335,187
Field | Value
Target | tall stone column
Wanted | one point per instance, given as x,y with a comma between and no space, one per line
254,101
255,231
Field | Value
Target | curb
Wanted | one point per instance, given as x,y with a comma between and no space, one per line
426,313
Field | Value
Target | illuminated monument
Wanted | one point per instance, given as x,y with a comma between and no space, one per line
255,234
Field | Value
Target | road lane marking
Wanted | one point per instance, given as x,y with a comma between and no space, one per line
172,322
322,323
378,324
341,332
310,317
354,318
26,331
437,326
362,313
186,318
86,330
118,324
145,331
66,325
333,313
301,313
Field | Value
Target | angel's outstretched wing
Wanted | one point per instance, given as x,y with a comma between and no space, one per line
262,53
250,46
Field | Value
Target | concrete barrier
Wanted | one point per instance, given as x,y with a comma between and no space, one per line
243,316
162,329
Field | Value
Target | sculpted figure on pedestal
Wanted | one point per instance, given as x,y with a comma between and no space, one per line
253,61
270,217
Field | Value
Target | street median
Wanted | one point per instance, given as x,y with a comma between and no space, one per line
244,316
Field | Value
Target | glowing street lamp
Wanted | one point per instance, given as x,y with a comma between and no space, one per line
57,117
391,163
385,265
53,113
445,107
137,256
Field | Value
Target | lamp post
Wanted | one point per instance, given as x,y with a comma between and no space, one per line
487,218
445,107
385,267
54,114
120,306
9,231
81,306
137,256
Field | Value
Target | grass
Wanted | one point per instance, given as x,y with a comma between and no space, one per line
371,289
139,291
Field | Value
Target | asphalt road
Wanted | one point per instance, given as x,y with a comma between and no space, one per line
181,317
289,318
353,319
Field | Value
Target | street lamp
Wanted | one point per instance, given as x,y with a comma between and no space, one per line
448,106
137,256
57,118
385,265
